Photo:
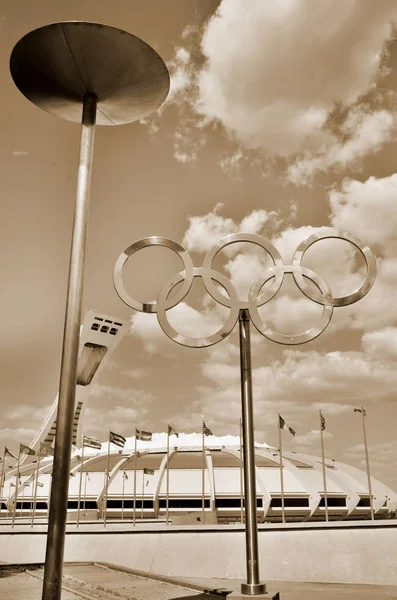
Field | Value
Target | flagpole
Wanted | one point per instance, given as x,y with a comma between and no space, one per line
143,492
107,485
80,483
167,492
241,474
203,479
2,481
16,488
324,474
281,471
371,500
135,451
85,489
122,498
35,489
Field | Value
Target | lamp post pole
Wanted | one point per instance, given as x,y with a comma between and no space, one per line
253,585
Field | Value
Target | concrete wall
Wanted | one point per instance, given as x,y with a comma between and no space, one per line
334,553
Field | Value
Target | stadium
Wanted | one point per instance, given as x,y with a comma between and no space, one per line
202,486
219,469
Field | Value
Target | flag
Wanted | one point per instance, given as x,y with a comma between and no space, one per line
322,421
115,438
91,443
363,411
206,430
283,425
143,436
125,476
148,472
40,484
26,450
45,450
8,453
72,475
172,431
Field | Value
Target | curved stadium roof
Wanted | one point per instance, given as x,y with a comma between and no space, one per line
347,488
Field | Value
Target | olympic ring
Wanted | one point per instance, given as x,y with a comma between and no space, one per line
254,239
198,342
329,300
151,307
297,338
255,299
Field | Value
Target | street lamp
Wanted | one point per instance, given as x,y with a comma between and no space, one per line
92,74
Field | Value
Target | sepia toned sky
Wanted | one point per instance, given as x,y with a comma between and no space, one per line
281,120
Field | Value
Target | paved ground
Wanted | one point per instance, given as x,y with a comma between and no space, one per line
309,591
99,582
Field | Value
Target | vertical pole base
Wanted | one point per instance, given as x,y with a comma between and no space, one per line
253,589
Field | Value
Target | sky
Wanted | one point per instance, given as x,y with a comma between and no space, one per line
281,120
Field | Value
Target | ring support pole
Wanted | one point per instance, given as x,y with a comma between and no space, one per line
253,585
67,386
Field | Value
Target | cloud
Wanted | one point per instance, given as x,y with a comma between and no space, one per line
311,438
364,133
206,230
20,153
137,373
272,78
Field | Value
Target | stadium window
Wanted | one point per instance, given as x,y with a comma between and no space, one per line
290,502
333,501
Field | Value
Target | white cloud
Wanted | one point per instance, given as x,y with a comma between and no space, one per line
364,133
311,438
368,210
205,231
272,77
20,153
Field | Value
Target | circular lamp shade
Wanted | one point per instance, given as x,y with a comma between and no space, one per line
55,65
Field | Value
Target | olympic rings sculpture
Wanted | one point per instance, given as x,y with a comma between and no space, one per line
275,274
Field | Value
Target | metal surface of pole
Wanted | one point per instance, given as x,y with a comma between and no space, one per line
85,493
324,474
203,478
105,504
371,499
36,483
135,452
281,472
167,487
2,480
241,474
80,484
14,512
122,497
143,492
253,585
67,387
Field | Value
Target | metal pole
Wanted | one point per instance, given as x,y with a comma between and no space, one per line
16,489
203,479
85,492
105,504
324,473
143,492
67,386
241,474
253,585
122,498
371,500
281,471
2,481
135,451
80,482
36,483
167,491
